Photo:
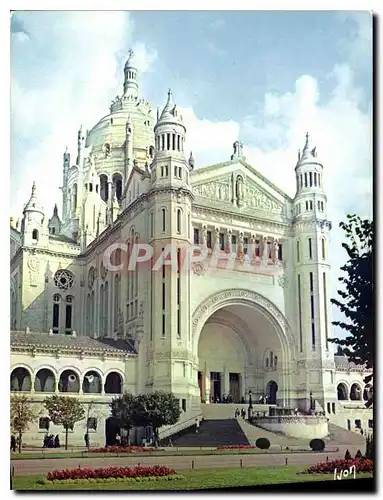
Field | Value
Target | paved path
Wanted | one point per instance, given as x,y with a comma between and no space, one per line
41,467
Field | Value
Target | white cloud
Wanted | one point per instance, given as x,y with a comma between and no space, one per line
144,57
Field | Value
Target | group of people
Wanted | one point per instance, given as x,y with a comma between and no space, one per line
263,400
238,413
50,441
226,398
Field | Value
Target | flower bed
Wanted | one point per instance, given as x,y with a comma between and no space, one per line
361,465
236,447
121,449
110,473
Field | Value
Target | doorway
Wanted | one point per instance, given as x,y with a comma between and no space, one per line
234,387
271,392
215,386
200,385
111,430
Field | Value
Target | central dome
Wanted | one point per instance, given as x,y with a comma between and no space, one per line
107,139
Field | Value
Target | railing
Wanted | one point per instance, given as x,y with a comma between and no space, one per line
285,419
180,426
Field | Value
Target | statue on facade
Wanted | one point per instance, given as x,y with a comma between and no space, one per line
265,251
216,238
239,190
240,251
228,242
275,251
204,236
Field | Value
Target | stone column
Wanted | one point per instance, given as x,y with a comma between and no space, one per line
225,381
206,385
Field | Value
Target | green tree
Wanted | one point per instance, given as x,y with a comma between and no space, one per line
157,409
357,304
65,411
123,409
22,414
92,411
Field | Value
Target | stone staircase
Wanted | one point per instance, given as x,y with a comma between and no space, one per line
211,433
339,435
253,432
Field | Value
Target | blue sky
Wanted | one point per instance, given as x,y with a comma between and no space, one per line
263,77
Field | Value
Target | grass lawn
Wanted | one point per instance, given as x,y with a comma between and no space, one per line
194,480
173,452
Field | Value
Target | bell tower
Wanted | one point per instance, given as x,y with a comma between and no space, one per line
312,271
170,235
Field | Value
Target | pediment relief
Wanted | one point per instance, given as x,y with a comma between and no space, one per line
239,189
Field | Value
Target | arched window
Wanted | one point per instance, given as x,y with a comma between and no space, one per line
310,248
323,245
21,380
56,313
68,314
69,382
342,392
92,383
113,383
74,197
306,180
368,392
151,224
104,187
45,381
298,251
178,221
35,235
117,183
355,392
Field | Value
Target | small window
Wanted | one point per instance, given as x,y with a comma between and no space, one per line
151,224
298,256
311,205
306,180
92,423
35,235
333,408
328,407
184,405
196,236
307,205
358,424
323,249
163,219
280,253
370,424
311,179
166,171
178,221
208,238
221,241
310,249
44,423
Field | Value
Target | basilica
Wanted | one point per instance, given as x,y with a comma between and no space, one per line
253,317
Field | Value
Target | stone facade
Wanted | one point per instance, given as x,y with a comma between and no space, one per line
253,316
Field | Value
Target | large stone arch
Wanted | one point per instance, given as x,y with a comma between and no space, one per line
271,313
225,298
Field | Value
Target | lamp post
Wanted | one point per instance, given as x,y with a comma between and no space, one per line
250,405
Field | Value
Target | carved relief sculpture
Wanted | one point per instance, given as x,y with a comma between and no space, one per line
240,251
239,191
204,236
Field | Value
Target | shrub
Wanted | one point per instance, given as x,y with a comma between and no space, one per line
317,444
358,454
347,455
109,480
121,449
236,447
370,447
262,443
361,465
110,473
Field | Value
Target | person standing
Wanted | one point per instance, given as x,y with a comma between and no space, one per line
86,439
196,425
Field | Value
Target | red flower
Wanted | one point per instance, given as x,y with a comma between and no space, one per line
110,472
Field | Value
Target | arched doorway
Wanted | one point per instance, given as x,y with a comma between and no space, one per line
113,383
69,381
342,392
231,332
355,392
112,429
271,392
45,381
91,383
21,380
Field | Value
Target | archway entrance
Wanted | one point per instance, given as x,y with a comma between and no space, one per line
271,392
233,337
112,429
